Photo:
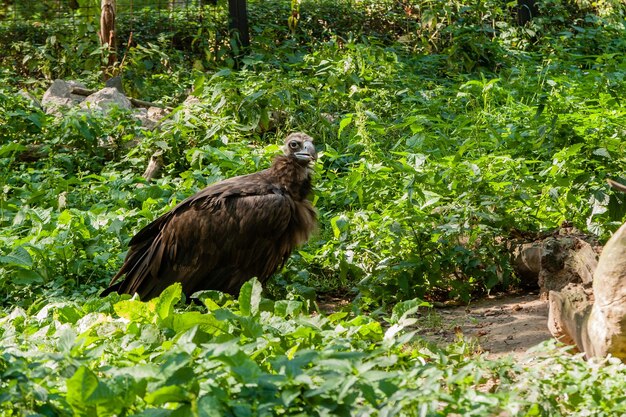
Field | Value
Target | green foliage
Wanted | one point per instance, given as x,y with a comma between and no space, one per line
117,356
443,131
432,171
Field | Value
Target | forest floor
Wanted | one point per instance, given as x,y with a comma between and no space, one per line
499,325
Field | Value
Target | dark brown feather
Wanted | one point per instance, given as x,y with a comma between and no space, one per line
231,231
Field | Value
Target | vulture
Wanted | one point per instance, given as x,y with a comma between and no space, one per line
231,231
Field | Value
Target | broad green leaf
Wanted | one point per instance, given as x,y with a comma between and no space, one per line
602,152
164,303
80,387
284,308
68,314
339,225
407,307
135,311
251,326
18,257
243,368
347,119
572,150
221,73
167,394
23,276
65,217
212,299
85,392
184,376
206,322
250,297
11,147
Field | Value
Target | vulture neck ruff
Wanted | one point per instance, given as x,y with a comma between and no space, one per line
293,176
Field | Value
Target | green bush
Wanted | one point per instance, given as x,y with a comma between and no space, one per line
444,129
431,163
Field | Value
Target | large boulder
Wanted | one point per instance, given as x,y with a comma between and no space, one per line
59,95
105,99
65,94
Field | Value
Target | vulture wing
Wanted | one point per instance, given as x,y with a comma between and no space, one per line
217,239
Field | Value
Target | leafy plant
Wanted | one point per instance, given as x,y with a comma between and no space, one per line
443,130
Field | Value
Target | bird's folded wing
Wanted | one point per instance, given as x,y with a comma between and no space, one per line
216,238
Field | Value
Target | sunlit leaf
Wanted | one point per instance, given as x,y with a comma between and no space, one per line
250,297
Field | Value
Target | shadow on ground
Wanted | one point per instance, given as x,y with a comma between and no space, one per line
506,325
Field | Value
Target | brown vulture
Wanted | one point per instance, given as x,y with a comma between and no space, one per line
229,232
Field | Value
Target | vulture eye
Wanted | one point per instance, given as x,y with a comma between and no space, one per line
293,145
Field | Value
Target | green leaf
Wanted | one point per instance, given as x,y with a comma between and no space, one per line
243,368
23,276
250,297
212,299
167,394
339,225
135,311
85,392
11,147
209,406
284,308
206,322
250,326
80,387
18,257
572,150
405,308
344,123
198,86
221,73
164,303
182,376
68,314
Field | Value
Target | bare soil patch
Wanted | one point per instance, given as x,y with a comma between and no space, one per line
501,325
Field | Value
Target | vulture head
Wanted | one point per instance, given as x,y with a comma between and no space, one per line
300,146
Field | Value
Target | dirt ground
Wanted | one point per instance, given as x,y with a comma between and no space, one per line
501,325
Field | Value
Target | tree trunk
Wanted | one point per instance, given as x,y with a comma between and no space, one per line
595,323
238,21
526,10
107,30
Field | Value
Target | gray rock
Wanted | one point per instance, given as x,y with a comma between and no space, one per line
556,261
115,82
105,99
59,95
191,101
151,117
527,262
157,113
565,260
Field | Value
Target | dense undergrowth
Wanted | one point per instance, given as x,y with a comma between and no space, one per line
445,129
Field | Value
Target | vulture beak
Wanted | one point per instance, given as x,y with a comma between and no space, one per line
307,154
